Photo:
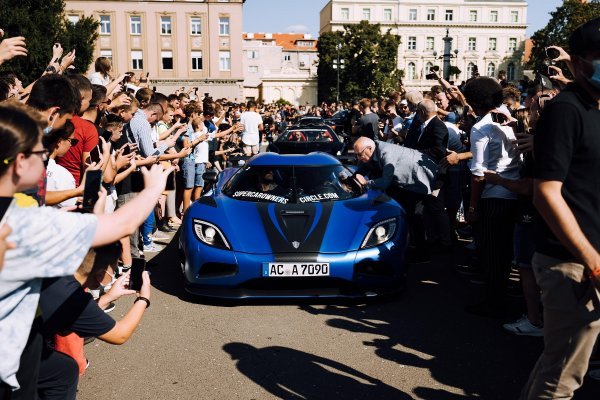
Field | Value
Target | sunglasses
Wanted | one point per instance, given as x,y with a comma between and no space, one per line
72,141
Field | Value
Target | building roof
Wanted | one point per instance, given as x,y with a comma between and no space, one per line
288,41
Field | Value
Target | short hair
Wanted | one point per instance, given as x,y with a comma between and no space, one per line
251,104
172,97
192,108
364,103
55,91
413,97
155,107
81,83
427,106
511,92
182,95
144,96
483,93
4,88
98,95
197,123
51,141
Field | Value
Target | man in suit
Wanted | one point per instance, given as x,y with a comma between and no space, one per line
432,136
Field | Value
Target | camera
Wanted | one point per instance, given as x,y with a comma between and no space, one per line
432,75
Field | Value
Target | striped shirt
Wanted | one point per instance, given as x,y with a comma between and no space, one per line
142,134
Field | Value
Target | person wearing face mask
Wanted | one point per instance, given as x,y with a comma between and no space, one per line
566,263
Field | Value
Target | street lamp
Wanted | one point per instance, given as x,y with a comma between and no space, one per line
338,65
447,56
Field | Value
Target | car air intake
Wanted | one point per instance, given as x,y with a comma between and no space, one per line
217,270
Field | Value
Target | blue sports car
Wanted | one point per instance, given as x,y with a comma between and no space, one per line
292,226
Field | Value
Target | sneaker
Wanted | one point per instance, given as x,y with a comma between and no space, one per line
524,327
174,221
159,236
152,248
110,307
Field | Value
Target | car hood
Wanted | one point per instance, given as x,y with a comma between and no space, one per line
267,228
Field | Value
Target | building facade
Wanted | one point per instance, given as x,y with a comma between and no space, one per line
195,43
280,66
487,35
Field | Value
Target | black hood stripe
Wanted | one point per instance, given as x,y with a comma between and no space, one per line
303,223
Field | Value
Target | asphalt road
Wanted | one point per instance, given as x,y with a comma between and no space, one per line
420,345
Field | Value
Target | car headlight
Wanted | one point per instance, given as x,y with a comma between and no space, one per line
380,233
209,234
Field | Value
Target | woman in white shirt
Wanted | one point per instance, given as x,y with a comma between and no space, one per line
101,76
492,207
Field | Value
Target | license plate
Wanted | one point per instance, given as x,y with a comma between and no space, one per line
291,270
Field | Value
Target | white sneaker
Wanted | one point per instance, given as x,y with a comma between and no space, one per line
524,327
152,248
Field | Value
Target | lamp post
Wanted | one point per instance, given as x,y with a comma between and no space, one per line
447,56
338,65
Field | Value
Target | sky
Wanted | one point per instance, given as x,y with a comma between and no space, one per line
303,15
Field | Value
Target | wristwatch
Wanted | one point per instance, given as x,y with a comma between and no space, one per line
143,299
51,69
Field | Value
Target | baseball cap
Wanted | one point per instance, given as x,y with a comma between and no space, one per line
585,38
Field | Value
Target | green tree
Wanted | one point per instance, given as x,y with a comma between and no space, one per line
562,23
369,58
43,23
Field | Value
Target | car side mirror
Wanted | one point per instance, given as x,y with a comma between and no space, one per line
210,176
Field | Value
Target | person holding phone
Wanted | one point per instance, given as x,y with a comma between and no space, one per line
49,242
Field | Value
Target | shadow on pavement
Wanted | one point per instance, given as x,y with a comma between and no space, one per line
293,374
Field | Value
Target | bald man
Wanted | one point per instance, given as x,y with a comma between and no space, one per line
432,136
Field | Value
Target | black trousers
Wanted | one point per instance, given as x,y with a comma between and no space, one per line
30,364
58,378
496,227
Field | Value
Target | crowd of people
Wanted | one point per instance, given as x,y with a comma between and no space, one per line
454,152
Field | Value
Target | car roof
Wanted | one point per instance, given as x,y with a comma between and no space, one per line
274,159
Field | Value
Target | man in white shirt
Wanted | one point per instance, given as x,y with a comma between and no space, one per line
253,124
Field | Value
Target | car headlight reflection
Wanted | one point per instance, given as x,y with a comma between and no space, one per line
380,233
209,234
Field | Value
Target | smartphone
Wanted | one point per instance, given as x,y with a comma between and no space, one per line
138,266
552,53
127,149
12,204
93,182
95,155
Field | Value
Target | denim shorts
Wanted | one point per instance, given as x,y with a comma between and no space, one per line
198,180
188,173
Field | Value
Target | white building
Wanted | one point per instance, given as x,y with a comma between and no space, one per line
489,34
280,66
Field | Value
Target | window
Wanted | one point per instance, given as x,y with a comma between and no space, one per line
137,59
412,14
253,69
512,44
287,57
514,16
494,16
428,67
224,26
510,72
411,71
73,19
196,60
367,14
252,54
472,44
449,15
196,26
304,60
491,69
135,25
105,24
165,25
107,54
470,70
412,43
167,59
345,14
473,15
387,14
224,61
492,42
430,43
431,14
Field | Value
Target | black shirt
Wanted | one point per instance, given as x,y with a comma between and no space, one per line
66,307
567,149
369,126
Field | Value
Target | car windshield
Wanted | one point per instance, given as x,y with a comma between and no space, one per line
307,135
292,184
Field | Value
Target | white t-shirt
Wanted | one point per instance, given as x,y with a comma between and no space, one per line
202,147
97,79
49,243
251,121
59,178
